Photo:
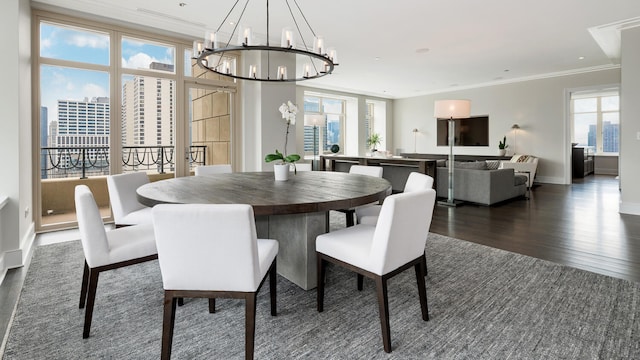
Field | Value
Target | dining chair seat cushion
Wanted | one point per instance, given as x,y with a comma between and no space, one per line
142,216
351,245
122,248
240,267
369,220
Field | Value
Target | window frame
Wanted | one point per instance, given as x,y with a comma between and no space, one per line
598,95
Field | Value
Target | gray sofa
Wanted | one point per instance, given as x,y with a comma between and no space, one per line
473,182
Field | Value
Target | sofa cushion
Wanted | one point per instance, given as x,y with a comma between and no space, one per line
472,165
520,180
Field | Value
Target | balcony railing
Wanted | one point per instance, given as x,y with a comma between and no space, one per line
63,162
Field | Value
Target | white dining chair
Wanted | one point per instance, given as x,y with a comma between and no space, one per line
368,214
196,263
302,167
375,171
106,250
395,244
213,169
124,203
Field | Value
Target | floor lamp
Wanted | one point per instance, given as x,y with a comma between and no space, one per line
515,128
450,110
315,121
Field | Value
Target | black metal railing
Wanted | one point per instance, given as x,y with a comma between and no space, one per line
63,162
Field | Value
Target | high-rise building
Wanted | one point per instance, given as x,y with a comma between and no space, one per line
610,137
83,123
148,111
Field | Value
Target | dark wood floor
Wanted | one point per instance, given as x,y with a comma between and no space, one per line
576,225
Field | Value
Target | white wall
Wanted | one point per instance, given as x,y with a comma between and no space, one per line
16,223
630,122
538,106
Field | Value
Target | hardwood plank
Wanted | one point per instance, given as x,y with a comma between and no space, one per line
576,225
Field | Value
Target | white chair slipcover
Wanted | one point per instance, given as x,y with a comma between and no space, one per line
124,203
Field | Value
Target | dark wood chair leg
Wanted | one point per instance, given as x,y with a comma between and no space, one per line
168,320
425,264
320,276
91,299
250,325
383,308
212,305
83,288
360,281
422,289
180,301
273,289
349,214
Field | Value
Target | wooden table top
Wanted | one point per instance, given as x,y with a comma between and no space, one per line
308,191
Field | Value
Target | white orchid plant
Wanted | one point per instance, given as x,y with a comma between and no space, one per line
288,111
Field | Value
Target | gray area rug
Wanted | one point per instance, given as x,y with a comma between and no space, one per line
484,304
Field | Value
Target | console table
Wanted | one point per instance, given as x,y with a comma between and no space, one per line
396,170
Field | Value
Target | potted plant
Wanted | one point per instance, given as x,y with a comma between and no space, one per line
281,169
502,146
374,140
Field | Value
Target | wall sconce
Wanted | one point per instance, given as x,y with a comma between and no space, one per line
515,128
415,132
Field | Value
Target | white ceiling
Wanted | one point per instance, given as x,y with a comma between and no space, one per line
382,44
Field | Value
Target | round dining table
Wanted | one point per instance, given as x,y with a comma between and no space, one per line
293,212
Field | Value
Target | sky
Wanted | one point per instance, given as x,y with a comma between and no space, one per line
67,43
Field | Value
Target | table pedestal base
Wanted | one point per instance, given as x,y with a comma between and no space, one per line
296,234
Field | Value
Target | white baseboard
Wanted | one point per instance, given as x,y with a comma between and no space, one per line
629,208
549,180
16,258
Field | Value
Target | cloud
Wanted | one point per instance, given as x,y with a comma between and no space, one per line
94,90
90,41
138,61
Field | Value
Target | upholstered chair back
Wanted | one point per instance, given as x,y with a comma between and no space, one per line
213,169
207,247
402,229
122,193
366,170
92,233
417,181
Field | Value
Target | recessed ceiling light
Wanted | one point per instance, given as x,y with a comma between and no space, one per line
182,4
581,58
377,58
506,70
422,50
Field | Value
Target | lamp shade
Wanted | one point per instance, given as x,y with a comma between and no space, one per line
314,120
452,109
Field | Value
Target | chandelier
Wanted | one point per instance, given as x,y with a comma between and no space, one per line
310,59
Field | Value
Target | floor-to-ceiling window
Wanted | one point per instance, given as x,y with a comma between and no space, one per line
596,120
113,100
332,132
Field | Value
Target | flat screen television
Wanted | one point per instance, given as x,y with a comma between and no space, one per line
473,131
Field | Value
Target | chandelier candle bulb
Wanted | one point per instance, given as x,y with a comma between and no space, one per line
306,70
333,55
210,40
287,38
197,48
282,72
245,37
253,71
318,44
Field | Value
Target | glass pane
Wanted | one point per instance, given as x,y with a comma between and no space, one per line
187,62
74,44
332,133
584,129
74,138
311,104
210,124
332,106
148,118
140,54
610,103
585,105
610,132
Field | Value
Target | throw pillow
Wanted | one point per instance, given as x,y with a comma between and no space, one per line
493,164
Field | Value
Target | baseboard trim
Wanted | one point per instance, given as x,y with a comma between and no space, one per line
629,208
